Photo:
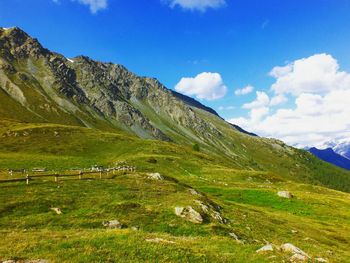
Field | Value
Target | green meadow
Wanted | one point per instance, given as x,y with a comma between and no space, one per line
317,219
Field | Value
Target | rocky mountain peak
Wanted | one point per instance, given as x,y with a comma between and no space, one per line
19,44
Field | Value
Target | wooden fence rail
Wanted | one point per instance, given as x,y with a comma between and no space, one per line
58,175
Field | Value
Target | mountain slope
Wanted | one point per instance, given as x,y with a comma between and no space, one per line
332,157
94,94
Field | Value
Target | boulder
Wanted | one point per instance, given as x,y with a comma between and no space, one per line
298,258
285,194
265,248
155,176
290,248
189,214
114,224
212,211
57,210
321,260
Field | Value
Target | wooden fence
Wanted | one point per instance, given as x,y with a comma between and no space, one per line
80,175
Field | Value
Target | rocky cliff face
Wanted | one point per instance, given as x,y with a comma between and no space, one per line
43,86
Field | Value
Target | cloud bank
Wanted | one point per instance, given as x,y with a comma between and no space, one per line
321,110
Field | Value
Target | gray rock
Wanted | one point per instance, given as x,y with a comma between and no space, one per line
285,194
266,248
114,224
189,214
321,260
155,176
193,192
211,211
298,258
290,248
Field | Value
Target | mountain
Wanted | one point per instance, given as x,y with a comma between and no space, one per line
39,86
43,86
343,148
332,157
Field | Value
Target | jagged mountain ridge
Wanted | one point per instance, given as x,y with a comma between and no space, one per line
95,94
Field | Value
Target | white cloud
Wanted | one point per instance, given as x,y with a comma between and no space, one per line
200,5
262,100
319,73
321,113
207,86
278,99
94,5
246,90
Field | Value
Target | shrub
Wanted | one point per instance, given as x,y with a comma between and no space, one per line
196,147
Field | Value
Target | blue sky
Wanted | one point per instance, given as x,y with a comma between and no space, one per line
228,44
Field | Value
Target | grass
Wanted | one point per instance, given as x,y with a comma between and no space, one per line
31,230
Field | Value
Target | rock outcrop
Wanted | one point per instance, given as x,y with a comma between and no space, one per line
189,214
290,248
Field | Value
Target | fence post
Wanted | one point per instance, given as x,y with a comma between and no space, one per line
56,177
27,179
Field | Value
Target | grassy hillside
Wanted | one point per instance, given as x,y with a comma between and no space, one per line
316,220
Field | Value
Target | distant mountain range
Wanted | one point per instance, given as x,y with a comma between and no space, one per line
342,148
329,155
